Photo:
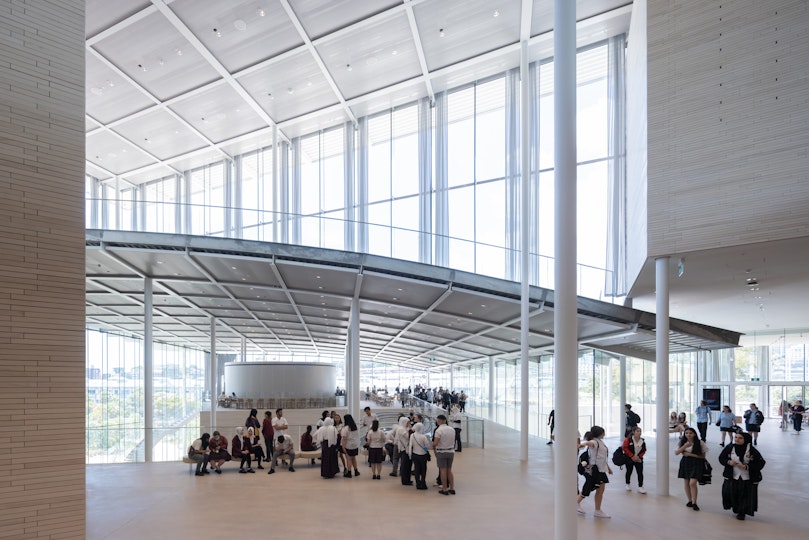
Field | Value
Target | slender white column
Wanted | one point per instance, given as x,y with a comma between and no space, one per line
662,373
354,395
276,215
565,311
491,388
244,349
525,245
622,394
451,378
148,368
212,363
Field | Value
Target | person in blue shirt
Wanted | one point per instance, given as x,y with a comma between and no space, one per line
726,422
703,416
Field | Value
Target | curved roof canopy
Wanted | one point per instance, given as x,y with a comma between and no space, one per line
286,299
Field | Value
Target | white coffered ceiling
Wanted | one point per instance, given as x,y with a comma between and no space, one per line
173,84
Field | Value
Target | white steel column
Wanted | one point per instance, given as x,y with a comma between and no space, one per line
622,393
276,215
662,373
212,364
243,352
354,394
451,378
565,311
148,368
525,246
491,388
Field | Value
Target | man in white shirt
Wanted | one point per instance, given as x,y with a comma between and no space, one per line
280,427
283,447
368,418
455,419
444,447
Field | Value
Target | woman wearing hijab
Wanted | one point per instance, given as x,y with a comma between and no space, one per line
241,449
255,445
326,437
743,464
419,449
402,441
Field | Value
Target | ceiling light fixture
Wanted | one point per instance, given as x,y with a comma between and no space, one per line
496,13
261,12
269,95
142,67
441,32
217,32
348,67
179,52
240,25
290,91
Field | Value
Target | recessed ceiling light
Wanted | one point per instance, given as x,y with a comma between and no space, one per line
348,67
159,262
441,32
308,83
394,52
161,62
261,12
317,277
217,32
240,25
142,67
179,52
496,13
290,91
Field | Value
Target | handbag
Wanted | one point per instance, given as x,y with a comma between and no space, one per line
705,478
584,466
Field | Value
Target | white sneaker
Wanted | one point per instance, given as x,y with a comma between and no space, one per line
580,510
600,514
628,487
641,490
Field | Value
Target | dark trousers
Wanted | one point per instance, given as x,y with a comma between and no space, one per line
404,468
796,421
637,466
702,427
420,463
457,439
248,459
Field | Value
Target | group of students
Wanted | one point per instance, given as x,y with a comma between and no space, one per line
212,451
741,462
406,444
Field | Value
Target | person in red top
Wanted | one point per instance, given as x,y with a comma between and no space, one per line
219,451
634,448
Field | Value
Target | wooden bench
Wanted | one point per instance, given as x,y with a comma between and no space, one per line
192,463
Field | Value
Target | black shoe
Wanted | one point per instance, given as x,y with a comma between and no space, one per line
218,471
292,469
393,474
451,491
721,444
695,507
346,474
199,474
549,442
689,504
740,517
242,471
442,492
407,483
206,471
260,467
271,471
756,443
356,472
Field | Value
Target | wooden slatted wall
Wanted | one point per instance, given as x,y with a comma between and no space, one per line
728,127
42,361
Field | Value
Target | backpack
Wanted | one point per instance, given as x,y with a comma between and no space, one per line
759,417
635,417
618,457
191,452
584,467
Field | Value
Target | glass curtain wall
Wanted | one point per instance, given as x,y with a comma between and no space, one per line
115,398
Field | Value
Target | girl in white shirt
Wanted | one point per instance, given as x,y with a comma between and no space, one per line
597,479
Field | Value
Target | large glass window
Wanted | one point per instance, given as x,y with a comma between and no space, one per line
207,200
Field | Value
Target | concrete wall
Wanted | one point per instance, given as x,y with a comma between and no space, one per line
280,379
728,123
42,360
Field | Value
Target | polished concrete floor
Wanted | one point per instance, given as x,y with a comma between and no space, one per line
497,497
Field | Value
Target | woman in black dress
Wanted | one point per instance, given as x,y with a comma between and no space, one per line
743,464
692,464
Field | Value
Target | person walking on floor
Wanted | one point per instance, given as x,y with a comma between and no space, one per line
634,448
753,418
596,479
743,464
726,422
692,464
703,416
